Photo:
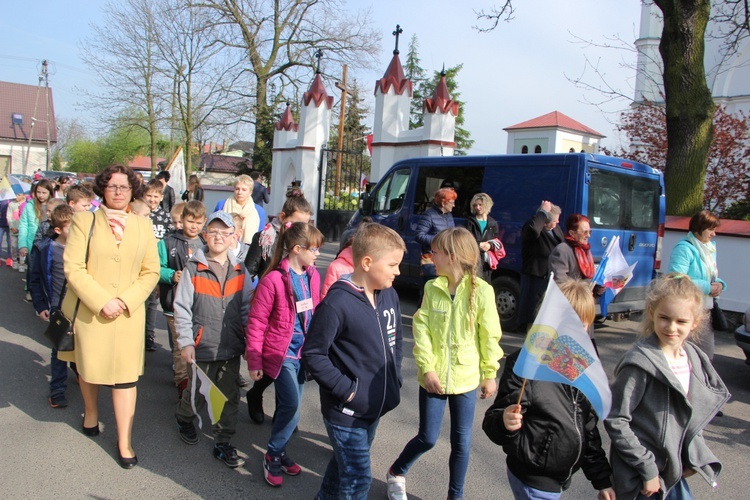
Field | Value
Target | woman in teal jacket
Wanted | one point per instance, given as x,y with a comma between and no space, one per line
456,348
33,214
695,255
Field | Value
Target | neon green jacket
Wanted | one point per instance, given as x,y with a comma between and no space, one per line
444,342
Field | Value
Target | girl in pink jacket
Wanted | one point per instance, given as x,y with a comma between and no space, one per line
282,307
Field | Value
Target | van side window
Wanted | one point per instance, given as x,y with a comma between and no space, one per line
644,213
389,197
604,199
622,201
467,181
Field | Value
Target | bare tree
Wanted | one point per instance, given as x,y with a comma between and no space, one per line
688,100
122,52
199,73
279,39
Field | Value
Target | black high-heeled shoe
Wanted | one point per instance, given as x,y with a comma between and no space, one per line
126,463
90,431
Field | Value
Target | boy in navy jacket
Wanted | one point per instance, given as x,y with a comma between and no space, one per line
353,350
46,285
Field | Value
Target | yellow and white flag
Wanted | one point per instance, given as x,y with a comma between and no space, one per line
176,169
214,398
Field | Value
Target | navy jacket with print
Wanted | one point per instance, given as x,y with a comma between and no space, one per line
355,348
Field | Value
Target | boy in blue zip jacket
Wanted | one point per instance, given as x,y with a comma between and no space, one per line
353,350
46,285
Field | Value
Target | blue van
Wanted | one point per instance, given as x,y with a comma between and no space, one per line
621,197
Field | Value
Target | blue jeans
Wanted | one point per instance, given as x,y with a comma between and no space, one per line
680,491
59,375
5,233
348,475
522,491
431,410
288,387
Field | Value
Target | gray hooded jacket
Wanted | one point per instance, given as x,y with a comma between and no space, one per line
656,429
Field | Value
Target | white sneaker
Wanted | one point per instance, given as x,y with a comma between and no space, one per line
15,265
396,487
21,268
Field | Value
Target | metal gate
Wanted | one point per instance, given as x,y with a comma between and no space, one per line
343,174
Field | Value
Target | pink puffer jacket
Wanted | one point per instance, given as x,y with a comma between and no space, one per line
270,323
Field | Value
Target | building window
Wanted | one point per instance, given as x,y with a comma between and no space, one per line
537,149
525,150
17,119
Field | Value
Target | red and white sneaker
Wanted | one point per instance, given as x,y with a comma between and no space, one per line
272,470
288,466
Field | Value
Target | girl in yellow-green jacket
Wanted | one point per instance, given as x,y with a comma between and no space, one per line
457,350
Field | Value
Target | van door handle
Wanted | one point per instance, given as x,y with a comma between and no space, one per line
631,245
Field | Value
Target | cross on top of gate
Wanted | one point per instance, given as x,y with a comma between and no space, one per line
318,54
396,34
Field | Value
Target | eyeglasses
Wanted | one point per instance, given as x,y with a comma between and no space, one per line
314,250
118,189
584,232
219,234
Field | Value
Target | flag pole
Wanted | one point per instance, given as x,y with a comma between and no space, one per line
520,396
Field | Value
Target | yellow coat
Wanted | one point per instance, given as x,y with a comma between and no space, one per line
109,351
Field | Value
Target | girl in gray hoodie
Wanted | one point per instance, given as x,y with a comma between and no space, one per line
664,395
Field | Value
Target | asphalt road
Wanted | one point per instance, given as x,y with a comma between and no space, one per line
44,454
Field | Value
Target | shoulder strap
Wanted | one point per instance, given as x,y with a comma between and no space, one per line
65,283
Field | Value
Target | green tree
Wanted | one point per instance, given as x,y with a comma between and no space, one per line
463,136
414,72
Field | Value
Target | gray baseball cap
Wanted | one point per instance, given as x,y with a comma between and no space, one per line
222,216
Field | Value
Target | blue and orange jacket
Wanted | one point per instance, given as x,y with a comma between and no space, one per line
210,314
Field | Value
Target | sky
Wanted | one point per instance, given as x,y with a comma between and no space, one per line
521,70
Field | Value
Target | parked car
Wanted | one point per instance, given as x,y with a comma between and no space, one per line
620,197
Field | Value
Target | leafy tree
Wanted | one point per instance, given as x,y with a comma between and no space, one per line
727,168
414,72
463,136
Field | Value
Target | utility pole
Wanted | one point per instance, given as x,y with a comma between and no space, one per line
45,75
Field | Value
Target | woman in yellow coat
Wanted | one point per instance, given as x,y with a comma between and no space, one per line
122,270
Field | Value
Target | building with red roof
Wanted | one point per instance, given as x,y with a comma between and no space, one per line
552,133
27,127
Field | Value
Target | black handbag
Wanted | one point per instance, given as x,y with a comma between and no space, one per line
60,331
718,318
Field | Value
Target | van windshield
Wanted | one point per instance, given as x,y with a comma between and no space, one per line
623,201
389,196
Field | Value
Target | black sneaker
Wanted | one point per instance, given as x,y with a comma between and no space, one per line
255,407
150,345
228,454
58,401
187,432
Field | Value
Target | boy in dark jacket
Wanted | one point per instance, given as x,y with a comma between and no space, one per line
162,226
553,432
353,350
210,314
175,250
46,285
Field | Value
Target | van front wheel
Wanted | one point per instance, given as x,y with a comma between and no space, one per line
507,298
